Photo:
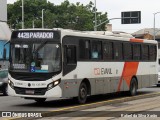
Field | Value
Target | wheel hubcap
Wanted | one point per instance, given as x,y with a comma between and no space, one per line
83,92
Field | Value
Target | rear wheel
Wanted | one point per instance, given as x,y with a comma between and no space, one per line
40,100
82,96
133,87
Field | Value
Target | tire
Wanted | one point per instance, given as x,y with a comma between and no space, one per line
5,90
133,87
40,100
82,95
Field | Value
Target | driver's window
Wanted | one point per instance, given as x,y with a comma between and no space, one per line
70,54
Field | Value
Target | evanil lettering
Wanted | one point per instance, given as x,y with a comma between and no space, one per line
38,35
102,71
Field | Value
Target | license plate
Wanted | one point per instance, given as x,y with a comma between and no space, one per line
30,92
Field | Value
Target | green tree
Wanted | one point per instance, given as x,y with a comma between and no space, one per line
67,15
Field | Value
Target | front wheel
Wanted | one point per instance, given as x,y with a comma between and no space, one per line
82,96
133,87
40,100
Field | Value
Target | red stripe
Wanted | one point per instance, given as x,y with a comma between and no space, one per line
136,40
129,70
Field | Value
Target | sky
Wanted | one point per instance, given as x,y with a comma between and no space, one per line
115,7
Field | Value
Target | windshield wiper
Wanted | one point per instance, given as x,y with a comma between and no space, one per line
40,46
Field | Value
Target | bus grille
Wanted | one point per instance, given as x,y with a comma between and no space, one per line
36,91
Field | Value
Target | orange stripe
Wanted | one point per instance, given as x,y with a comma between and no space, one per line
129,70
136,40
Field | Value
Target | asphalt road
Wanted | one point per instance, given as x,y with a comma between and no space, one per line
141,109
8,103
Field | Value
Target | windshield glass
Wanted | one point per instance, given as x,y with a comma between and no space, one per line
36,57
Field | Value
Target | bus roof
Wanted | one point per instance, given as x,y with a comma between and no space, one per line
95,34
106,35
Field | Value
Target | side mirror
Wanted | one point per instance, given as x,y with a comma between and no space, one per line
4,53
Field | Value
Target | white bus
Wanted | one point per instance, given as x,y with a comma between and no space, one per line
70,64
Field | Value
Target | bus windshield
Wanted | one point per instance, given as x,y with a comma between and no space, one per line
36,57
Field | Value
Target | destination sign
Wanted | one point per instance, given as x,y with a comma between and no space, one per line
35,35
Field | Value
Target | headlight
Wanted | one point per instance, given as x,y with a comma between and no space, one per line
56,82
53,84
11,84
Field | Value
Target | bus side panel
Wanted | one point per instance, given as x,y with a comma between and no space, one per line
107,87
139,80
108,79
147,71
145,81
104,85
99,85
93,85
103,78
114,84
125,86
153,79
70,87
153,70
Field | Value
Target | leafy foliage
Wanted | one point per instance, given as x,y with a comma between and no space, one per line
67,15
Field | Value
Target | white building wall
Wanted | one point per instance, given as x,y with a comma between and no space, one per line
3,10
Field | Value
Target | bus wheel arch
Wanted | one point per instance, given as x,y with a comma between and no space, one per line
133,86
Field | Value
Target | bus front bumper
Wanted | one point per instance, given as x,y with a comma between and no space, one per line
55,92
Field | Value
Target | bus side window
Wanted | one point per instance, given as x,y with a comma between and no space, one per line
70,51
96,51
145,52
117,51
127,51
152,52
136,52
84,49
108,50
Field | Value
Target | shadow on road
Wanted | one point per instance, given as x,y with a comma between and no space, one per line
1,94
72,102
